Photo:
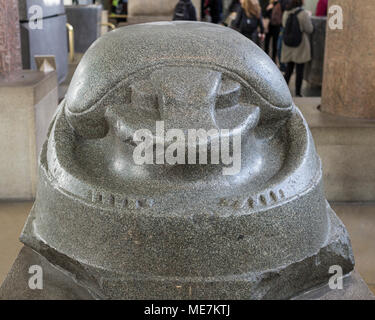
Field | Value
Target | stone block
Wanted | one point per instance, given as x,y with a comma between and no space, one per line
26,107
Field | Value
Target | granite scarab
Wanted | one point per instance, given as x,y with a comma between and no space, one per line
184,231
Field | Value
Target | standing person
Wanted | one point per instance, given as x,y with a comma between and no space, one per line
296,48
284,5
212,9
275,14
231,12
185,10
249,19
322,8
216,11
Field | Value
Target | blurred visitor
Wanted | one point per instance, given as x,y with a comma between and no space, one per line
119,6
212,10
232,12
284,5
249,20
296,48
322,8
185,10
274,14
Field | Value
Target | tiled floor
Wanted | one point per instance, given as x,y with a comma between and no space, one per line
359,220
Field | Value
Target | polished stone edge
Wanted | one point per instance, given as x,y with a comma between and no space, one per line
281,283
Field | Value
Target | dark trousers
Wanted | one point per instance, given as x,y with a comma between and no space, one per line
289,71
273,33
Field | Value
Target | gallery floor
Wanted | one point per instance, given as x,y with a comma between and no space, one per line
359,220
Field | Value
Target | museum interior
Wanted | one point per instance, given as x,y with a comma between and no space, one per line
68,68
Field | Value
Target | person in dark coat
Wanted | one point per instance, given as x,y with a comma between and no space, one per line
231,13
214,8
249,20
275,14
296,57
185,10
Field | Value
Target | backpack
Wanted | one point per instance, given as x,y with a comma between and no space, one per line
181,11
277,15
292,31
248,26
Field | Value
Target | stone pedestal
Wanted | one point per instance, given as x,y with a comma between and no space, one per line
86,21
349,69
346,147
50,39
27,105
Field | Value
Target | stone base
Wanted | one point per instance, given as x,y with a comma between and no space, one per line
58,286
346,147
27,105
282,283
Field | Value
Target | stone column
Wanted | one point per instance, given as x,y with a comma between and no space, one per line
349,68
10,45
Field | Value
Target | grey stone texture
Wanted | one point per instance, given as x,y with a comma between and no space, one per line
86,20
125,231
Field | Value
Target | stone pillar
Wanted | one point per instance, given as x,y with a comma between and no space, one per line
349,68
10,45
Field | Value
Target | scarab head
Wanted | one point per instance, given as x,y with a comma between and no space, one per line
188,75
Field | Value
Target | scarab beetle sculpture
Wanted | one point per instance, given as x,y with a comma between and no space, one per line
125,230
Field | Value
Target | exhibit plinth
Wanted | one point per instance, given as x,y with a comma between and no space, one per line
27,105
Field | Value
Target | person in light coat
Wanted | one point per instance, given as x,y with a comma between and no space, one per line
297,56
